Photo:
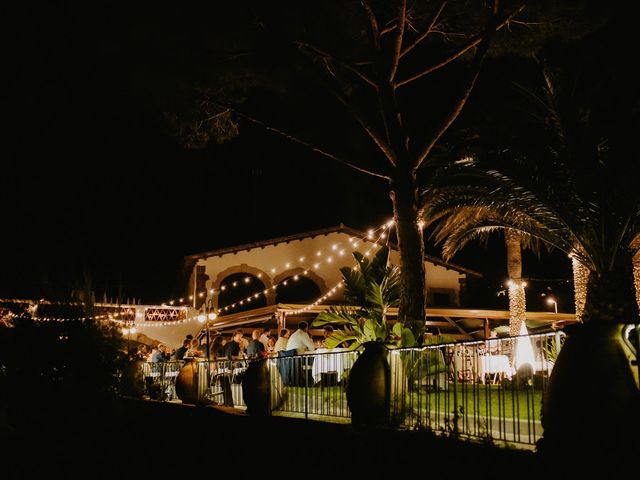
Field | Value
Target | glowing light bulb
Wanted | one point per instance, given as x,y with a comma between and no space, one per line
202,318
273,270
370,234
301,259
334,246
235,284
295,277
247,279
318,253
341,253
223,287
316,265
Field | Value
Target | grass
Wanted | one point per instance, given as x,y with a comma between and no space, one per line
481,400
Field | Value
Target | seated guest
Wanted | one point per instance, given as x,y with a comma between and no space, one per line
281,344
326,333
233,349
194,350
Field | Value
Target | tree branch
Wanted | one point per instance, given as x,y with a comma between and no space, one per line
380,143
299,141
472,43
310,49
457,107
397,48
373,24
426,33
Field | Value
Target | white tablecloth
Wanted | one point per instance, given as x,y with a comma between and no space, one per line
491,364
331,360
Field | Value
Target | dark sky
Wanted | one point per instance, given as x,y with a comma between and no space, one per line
92,181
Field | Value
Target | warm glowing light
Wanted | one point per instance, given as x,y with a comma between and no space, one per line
247,279
341,253
329,259
202,318
132,330
421,224
223,287
190,297
295,277
213,316
390,223
201,294
301,259
171,302
318,253
370,234
273,270
287,265
524,349
334,246
259,275
316,265
235,284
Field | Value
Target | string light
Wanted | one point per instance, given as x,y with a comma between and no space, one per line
580,282
114,317
517,305
341,282
636,276
316,266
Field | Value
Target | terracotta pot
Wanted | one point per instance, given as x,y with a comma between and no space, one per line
369,387
187,382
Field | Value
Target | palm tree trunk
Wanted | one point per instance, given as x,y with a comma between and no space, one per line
581,276
517,298
411,310
636,277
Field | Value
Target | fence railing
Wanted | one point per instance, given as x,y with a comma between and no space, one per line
482,389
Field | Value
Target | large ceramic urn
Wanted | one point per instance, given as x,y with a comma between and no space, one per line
369,387
256,388
592,402
187,382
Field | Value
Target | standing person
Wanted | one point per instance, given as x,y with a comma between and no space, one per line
232,348
159,354
256,348
300,340
281,344
180,352
264,337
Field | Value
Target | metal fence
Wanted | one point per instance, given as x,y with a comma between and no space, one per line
470,389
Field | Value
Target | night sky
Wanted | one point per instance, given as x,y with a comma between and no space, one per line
94,184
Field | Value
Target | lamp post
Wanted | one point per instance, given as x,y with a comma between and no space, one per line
551,300
207,315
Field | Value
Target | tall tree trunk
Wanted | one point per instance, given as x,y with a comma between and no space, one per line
411,311
581,276
517,298
611,294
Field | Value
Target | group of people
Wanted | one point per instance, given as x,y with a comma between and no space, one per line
262,344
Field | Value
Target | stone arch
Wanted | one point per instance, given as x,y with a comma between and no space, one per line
243,268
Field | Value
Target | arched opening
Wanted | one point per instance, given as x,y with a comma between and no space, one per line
241,289
298,289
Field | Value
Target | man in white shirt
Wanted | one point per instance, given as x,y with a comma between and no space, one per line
300,340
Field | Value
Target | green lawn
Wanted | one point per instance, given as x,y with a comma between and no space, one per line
480,400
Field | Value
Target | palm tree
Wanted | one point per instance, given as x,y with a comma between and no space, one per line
574,191
449,223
